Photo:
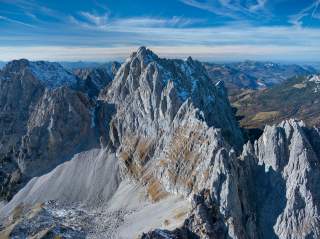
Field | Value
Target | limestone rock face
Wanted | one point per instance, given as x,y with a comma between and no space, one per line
45,119
148,91
270,191
62,123
169,139
290,157
19,93
192,157
171,134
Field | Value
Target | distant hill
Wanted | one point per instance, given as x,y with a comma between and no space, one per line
2,64
254,75
79,64
297,98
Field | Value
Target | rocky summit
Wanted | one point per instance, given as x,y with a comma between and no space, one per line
151,151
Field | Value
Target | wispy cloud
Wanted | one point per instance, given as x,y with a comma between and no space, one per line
7,19
233,9
238,42
105,23
95,19
33,10
312,11
260,4
79,33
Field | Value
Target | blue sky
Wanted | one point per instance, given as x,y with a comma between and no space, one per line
218,30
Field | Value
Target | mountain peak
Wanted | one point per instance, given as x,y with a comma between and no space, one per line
16,65
189,59
144,55
51,74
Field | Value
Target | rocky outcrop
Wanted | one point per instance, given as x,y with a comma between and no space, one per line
289,203
19,93
275,193
204,221
148,91
61,124
44,121
93,80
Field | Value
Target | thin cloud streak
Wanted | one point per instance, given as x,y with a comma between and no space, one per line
102,22
11,20
235,10
312,11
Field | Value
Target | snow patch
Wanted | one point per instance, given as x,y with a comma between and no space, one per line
315,78
92,114
53,75
50,126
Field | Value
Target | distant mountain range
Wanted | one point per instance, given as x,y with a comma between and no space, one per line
70,65
254,75
2,64
298,97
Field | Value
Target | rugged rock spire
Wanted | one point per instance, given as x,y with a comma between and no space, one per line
150,90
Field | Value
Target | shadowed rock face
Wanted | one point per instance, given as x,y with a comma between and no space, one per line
62,123
44,121
19,93
95,79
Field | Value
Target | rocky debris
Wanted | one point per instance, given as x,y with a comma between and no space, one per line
204,221
109,209
66,183
40,221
